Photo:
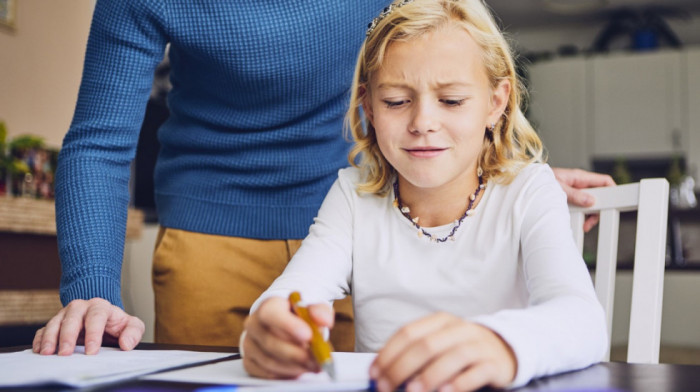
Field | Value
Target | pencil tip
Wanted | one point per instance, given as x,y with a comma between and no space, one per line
330,369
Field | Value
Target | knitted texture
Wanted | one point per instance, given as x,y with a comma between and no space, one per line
255,136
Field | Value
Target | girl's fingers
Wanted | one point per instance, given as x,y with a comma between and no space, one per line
276,317
446,367
322,314
392,365
261,363
440,357
281,346
471,379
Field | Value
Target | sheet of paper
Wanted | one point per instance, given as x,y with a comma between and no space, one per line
352,370
25,368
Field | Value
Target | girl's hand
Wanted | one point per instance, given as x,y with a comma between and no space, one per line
276,343
446,353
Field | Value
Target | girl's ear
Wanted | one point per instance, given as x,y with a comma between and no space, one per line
366,103
499,100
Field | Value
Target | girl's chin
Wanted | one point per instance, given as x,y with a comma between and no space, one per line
424,181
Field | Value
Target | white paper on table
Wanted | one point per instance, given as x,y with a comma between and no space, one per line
352,371
25,368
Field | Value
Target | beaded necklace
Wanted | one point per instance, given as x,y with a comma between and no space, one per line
405,211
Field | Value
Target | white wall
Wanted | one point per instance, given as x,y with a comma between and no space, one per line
137,287
41,63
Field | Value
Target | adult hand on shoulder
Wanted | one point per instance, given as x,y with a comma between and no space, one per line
88,322
573,180
276,343
444,352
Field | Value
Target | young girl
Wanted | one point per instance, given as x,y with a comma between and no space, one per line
451,235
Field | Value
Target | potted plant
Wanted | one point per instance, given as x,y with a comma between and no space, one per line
25,152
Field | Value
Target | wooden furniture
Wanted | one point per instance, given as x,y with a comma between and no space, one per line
29,262
606,376
650,198
22,215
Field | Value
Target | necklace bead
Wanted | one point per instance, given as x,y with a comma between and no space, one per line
406,212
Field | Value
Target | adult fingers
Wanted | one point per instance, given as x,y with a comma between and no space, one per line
581,178
49,338
586,179
590,222
132,333
36,343
95,323
70,326
577,197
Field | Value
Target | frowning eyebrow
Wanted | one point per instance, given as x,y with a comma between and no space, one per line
388,85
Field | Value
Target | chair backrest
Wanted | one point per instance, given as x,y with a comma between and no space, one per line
650,198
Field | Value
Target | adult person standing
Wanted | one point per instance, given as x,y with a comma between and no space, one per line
253,143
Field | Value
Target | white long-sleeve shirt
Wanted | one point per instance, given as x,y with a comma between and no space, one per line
513,268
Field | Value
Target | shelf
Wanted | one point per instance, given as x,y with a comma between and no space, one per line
31,216
690,265
28,307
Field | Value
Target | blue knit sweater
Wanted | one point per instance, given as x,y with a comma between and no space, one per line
254,139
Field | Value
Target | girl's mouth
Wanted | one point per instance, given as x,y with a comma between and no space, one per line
425,152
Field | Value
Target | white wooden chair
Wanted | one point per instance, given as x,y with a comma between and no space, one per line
650,198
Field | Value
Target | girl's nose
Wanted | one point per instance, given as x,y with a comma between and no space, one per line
423,119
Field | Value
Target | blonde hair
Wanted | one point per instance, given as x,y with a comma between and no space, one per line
512,145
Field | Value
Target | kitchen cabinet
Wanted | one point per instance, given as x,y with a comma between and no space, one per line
678,323
557,110
632,105
635,104
692,99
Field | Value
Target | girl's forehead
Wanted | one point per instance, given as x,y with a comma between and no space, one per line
438,55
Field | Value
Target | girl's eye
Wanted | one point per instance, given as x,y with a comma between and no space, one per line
395,104
452,102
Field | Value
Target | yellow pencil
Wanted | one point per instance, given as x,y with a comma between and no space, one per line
320,348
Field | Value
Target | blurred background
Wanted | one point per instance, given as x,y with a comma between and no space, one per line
614,86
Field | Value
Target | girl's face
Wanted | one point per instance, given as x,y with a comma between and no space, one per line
430,104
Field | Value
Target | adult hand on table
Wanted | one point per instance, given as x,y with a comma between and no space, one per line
444,352
88,322
573,181
275,342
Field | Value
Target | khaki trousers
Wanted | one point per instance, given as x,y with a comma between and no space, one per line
205,284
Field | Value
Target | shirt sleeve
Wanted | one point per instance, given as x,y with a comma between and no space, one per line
321,269
126,42
563,327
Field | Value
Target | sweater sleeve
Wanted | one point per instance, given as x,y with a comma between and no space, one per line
563,326
127,40
322,267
